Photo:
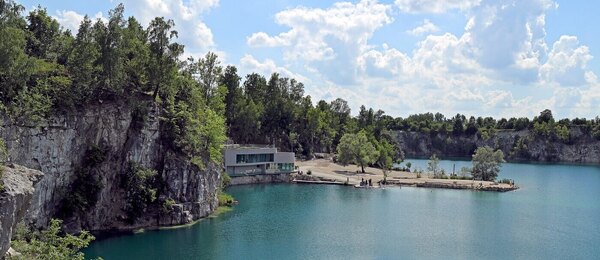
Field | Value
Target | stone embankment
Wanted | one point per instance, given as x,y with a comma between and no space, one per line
265,178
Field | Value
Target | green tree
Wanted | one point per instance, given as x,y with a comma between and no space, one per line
82,62
385,160
209,72
255,87
140,184
357,149
163,53
111,58
231,81
16,66
50,243
44,32
246,124
433,165
487,163
136,54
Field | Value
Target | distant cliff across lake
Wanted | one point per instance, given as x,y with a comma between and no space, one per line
521,145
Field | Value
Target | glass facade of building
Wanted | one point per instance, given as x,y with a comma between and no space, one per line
254,158
285,167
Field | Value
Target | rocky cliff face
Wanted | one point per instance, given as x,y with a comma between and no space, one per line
57,148
516,145
14,200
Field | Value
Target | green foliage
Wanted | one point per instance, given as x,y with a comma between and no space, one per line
433,165
385,160
3,152
140,185
596,131
83,192
520,148
168,205
224,198
163,53
563,134
225,179
486,163
51,243
3,159
356,149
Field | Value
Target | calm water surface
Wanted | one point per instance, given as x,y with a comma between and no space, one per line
555,215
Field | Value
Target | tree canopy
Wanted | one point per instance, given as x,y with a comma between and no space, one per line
356,149
487,163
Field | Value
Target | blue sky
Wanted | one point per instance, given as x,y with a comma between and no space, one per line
477,57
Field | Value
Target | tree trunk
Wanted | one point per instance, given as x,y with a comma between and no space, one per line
155,92
363,168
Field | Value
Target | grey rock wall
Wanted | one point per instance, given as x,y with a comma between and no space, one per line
14,200
582,148
57,147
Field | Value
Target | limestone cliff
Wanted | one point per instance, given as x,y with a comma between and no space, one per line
127,135
14,200
521,145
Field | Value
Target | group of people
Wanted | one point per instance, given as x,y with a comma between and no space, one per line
364,182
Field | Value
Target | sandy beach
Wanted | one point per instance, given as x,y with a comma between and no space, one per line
327,170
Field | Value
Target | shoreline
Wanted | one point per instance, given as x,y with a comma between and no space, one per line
327,171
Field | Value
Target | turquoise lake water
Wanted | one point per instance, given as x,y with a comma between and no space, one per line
555,215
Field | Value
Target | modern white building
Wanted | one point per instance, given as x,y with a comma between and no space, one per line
242,160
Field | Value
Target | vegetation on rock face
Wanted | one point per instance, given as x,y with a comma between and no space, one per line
3,159
140,186
51,243
224,198
82,194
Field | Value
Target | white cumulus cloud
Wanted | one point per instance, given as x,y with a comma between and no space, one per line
268,67
425,27
567,63
434,6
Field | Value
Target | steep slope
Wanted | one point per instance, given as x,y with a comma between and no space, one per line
14,199
521,145
62,147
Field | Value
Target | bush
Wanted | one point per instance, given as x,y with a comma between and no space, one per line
309,172
225,179
83,192
224,199
50,243
1,181
140,184
3,159
168,205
